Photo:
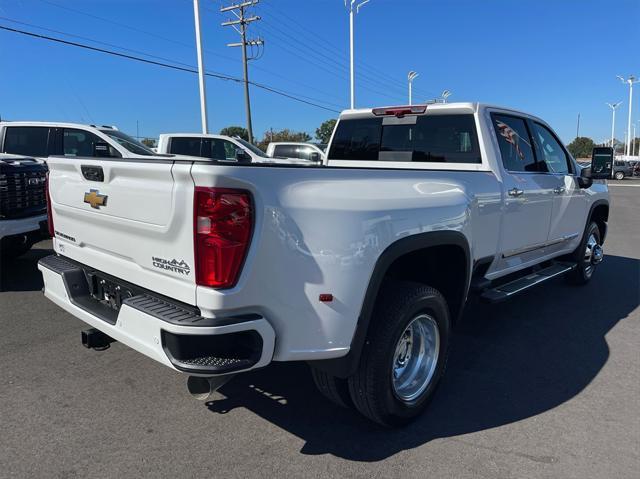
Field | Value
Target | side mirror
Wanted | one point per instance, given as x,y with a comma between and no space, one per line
315,157
585,180
601,163
242,156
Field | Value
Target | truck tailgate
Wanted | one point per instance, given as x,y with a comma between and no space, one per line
128,218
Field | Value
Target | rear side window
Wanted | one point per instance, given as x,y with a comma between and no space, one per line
293,151
26,140
515,143
288,151
185,146
425,138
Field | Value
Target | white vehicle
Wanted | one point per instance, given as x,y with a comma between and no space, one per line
44,139
219,148
23,205
303,151
360,267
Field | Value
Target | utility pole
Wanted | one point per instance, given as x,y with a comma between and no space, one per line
354,8
578,127
629,81
201,80
613,107
239,10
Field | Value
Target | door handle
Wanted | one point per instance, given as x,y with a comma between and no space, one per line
515,192
559,190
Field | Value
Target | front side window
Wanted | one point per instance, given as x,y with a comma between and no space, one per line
83,143
425,138
550,152
229,150
515,143
220,150
185,146
26,140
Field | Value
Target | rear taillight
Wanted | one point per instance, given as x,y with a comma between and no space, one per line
49,207
222,225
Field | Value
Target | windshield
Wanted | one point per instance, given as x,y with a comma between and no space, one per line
254,149
134,146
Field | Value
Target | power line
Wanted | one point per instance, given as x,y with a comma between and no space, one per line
334,50
312,54
176,42
165,65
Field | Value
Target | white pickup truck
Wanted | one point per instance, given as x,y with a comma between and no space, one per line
230,149
360,266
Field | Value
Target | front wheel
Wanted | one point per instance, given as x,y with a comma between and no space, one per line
404,355
619,175
589,255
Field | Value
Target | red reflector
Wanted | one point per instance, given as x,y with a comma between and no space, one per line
222,225
49,207
326,298
400,111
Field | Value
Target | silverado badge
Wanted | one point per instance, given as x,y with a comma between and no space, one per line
95,199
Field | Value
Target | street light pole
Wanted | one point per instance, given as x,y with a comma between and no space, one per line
352,76
613,107
201,79
629,81
411,76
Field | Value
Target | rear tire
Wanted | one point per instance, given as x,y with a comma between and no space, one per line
333,388
404,355
587,256
619,175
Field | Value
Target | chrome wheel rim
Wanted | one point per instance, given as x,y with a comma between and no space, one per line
593,254
415,358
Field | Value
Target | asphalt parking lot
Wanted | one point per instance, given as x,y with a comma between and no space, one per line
547,385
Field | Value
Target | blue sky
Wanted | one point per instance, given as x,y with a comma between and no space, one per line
551,58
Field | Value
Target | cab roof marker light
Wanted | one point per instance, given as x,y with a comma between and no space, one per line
400,111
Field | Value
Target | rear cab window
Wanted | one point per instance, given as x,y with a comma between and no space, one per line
427,138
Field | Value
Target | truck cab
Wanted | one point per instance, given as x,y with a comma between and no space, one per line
220,148
44,139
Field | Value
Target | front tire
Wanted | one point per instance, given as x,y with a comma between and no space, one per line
404,355
619,175
588,255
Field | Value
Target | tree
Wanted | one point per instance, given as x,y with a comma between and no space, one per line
283,135
324,132
581,147
235,131
149,142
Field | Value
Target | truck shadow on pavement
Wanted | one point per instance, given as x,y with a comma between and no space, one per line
21,273
508,362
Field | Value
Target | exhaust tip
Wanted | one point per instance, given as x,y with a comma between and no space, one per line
199,387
